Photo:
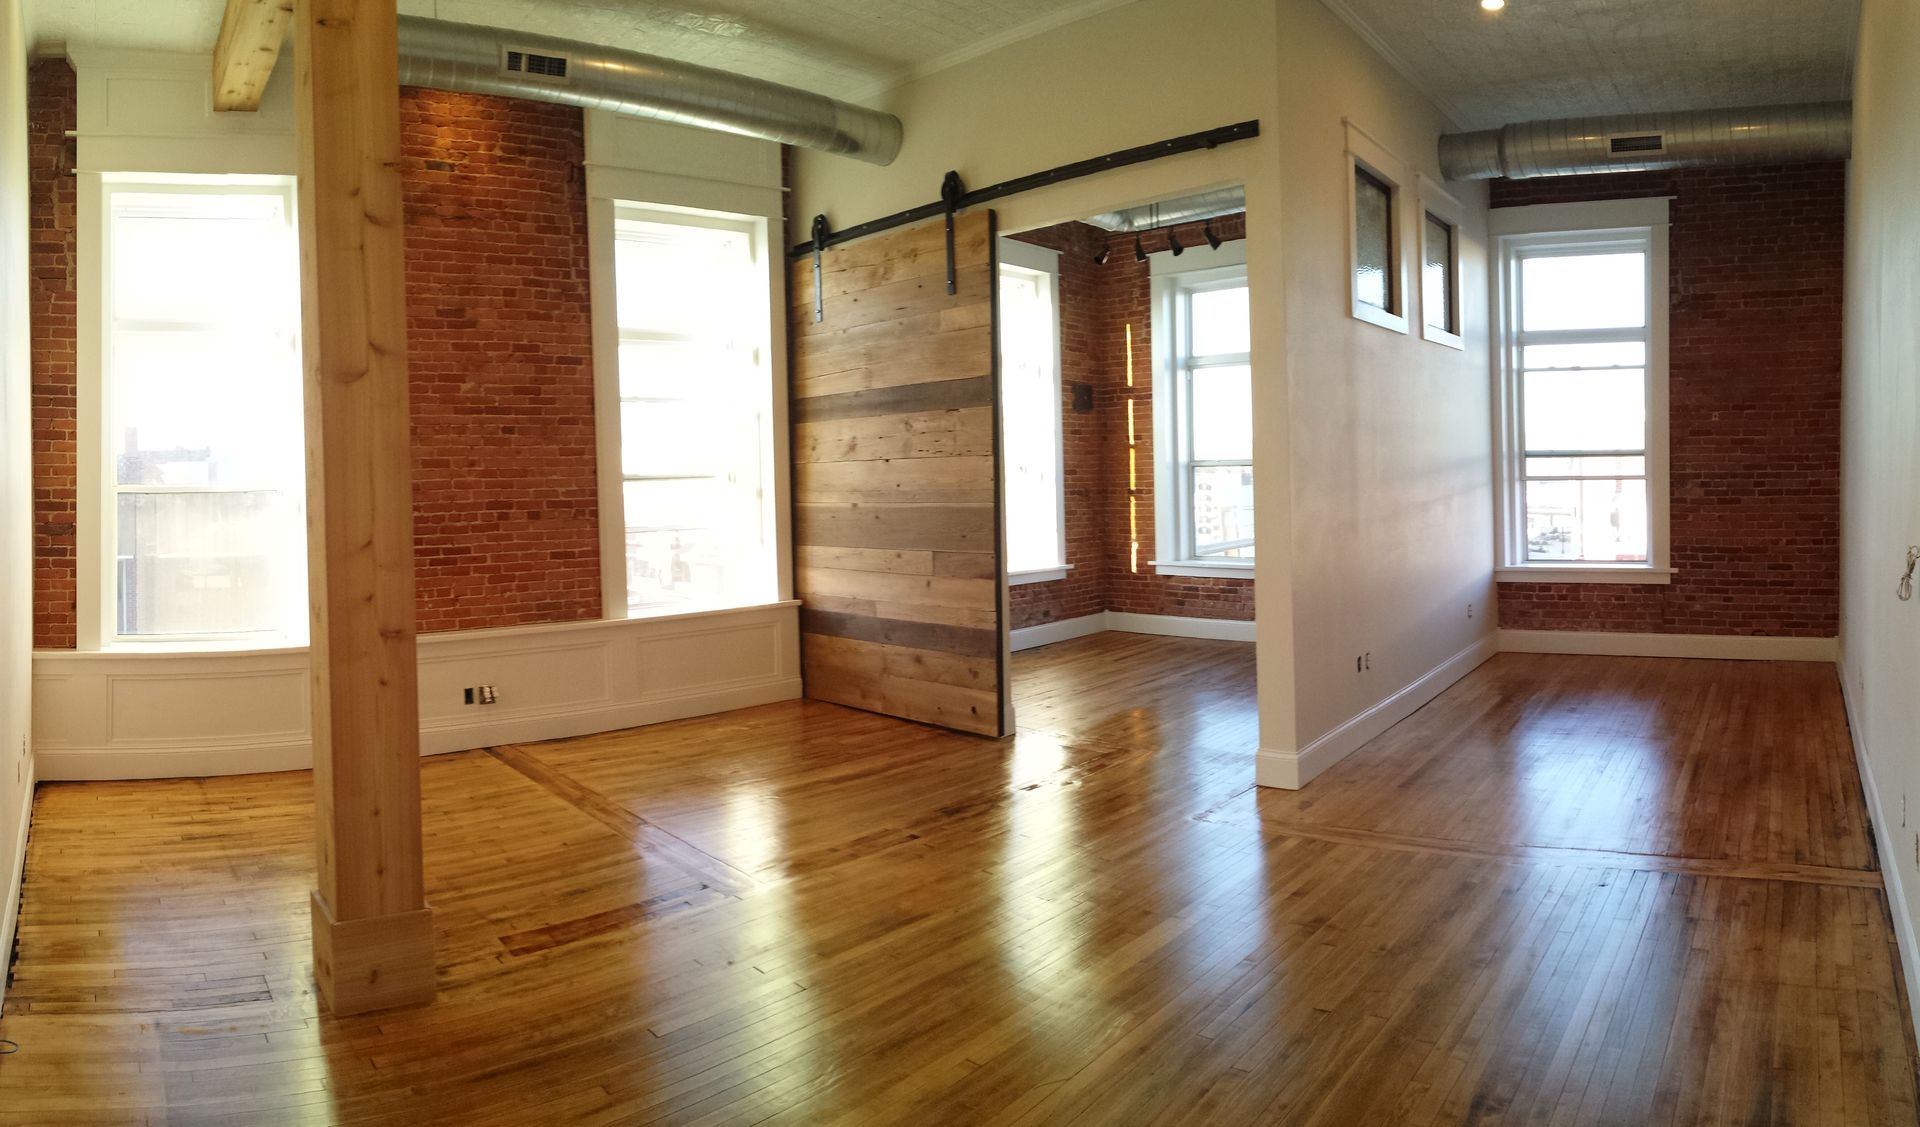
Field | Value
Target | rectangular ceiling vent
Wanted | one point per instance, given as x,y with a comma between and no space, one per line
533,64
1634,143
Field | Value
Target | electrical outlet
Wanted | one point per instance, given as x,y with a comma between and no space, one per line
1469,611
486,695
1367,661
469,696
1358,666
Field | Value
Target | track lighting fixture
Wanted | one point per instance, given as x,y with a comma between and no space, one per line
1173,243
1100,259
1213,240
1139,251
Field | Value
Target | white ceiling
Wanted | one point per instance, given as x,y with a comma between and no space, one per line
1573,58
845,48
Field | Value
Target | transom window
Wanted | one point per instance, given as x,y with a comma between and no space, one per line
1584,372
204,521
691,301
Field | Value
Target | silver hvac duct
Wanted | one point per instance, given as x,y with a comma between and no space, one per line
1641,142
488,60
1188,209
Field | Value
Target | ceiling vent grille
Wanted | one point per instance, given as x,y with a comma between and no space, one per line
552,68
1637,143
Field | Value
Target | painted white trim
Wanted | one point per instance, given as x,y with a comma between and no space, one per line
1038,575
1196,570
1363,152
1291,770
1723,647
1592,215
1438,202
1065,630
10,907
1164,625
1549,573
156,715
1890,851
1173,626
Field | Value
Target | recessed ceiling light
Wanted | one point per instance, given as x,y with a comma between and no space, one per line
1493,5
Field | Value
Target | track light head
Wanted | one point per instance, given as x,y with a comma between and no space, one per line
1100,259
1213,240
1139,251
1173,244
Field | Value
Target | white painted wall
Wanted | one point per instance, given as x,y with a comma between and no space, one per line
1371,449
16,506
1880,635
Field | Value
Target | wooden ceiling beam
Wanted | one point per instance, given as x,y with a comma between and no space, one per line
251,33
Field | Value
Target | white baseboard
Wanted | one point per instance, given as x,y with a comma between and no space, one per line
1291,770
10,908
1736,647
1166,625
148,715
1065,630
1890,851
1224,629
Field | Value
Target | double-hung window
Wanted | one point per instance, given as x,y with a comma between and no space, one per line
1203,393
1029,304
1583,391
691,299
203,532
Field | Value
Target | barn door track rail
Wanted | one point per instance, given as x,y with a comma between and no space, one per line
955,198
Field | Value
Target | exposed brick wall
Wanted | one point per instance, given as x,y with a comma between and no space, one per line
500,351
1755,278
52,309
1098,304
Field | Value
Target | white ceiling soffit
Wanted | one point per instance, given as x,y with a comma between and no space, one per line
850,49
1574,58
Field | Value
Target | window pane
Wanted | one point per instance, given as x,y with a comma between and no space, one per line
205,408
681,370
1223,414
1596,520
682,567
172,255
1223,512
676,278
1584,291
1220,321
1030,419
673,437
1437,275
1616,354
1587,467
1586,410
208,563
1373,241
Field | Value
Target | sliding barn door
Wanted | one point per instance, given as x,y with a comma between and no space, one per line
901,569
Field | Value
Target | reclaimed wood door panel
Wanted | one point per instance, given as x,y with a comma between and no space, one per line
900,555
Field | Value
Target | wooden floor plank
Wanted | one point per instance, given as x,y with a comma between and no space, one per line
1569,891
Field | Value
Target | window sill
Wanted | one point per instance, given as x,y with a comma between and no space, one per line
1374,315
262,647
1200,570
1038,575
1583,573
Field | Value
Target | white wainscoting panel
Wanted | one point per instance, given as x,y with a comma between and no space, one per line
146,714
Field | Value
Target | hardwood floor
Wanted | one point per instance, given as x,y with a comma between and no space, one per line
1571,890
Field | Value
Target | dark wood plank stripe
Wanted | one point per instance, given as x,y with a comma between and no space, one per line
900,399
599,923
896,632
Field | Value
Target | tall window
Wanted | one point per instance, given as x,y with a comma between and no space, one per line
691,294
1030,412
1584,384
1204,418
205,518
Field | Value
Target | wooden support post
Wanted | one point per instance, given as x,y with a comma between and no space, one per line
372,930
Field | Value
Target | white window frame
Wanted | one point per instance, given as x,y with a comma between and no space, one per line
1041,260
96,537
1635,222
1363,152
1199,267
764,231
1437,202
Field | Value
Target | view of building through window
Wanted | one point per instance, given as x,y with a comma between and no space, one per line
206,517
1216,415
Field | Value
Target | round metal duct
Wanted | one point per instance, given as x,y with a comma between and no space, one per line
1641,142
